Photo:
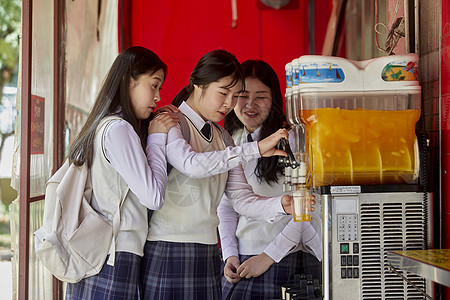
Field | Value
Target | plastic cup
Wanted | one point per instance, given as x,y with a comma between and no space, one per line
301,204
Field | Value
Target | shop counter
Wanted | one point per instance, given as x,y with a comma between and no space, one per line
431,264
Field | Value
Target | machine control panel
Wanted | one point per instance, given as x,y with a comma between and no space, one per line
347,227
348,233
349,260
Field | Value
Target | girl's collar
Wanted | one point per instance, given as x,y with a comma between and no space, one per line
192,115
255,134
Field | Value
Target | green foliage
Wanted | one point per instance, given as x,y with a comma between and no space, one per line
5,235
10,22
8,55
10,18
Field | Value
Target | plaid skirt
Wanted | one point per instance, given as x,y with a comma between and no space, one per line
118,282
312,266
266,286
180,271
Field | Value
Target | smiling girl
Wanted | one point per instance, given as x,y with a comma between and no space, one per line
259,256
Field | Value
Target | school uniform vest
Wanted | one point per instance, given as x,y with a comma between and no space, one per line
109,188
189,213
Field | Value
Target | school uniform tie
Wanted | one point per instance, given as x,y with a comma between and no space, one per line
249,138
206,130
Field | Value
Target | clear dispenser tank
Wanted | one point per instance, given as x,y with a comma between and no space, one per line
360,118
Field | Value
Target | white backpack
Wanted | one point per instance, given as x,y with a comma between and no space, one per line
74,239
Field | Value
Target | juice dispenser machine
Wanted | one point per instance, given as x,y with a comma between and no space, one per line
355,124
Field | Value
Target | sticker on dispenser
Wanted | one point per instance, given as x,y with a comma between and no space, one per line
400,71
289,77
321,72
295,73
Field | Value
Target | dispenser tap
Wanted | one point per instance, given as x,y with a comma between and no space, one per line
286,161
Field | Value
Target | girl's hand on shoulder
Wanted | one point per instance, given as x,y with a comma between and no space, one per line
255,266
229,271
267,147
162,123
168,109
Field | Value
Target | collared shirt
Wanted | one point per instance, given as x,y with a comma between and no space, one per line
254,134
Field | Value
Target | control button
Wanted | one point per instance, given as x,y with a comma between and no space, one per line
355,260
355,273
355,248
344,248
349,260
349,273
343,260
343,273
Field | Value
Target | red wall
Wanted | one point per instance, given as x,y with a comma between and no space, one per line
180,32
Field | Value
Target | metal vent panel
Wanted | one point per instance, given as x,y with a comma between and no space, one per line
389,226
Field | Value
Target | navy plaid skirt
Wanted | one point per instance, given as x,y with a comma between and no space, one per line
118,282
266,286
180,271
312,266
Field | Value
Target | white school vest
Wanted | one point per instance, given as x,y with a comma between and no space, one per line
189,213
108,190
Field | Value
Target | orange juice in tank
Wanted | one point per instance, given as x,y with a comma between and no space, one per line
360,119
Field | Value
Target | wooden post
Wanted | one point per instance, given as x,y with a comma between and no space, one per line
25,149
334,28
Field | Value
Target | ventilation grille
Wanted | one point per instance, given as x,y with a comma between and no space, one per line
389,226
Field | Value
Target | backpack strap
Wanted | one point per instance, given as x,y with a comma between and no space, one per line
229,142
116,227
184,126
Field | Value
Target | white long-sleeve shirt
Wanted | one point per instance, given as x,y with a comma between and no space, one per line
242,235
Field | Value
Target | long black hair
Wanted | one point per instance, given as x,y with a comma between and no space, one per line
211,67
266,168
114,97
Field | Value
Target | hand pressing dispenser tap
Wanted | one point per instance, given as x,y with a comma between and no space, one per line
295,171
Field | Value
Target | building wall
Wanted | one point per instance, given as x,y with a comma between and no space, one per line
429,16
445,121
180,32
435,79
